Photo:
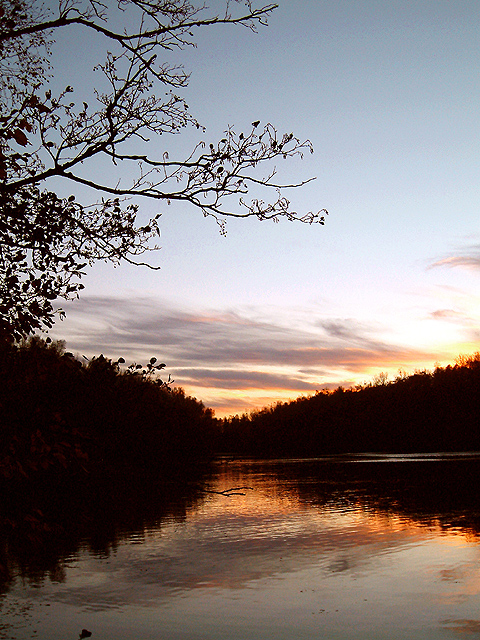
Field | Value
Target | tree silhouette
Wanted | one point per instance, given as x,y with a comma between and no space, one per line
46,240
422,412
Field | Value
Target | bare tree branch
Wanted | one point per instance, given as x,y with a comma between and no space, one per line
233,491
46,241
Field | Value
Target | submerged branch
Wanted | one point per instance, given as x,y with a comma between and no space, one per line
233,491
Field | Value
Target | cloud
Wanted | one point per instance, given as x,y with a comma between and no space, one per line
235,379
467,323
345,329
355,333
447,314
467,258
225,339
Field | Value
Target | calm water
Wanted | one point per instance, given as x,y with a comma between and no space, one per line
346,547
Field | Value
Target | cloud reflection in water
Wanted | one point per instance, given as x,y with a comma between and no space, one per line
295,555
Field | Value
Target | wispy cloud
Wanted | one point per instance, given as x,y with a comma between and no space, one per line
467,258
466,322
225,339
448,314
221,353
246,380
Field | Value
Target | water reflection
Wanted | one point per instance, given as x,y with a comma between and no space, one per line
369,546
42,527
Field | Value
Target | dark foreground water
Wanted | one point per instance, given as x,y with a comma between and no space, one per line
360,547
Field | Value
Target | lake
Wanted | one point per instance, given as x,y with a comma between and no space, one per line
344,547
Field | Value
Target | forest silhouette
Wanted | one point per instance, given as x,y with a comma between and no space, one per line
428,411
61,417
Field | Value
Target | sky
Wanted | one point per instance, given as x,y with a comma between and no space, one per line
387,92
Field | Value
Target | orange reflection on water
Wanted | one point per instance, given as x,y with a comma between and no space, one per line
302,551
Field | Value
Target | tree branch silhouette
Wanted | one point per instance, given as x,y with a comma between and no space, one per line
46,241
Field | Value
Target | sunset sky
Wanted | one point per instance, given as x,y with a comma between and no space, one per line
388,92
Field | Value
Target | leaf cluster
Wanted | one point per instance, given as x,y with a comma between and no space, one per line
46,243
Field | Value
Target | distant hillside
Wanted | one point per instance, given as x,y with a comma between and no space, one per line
428,411
62,418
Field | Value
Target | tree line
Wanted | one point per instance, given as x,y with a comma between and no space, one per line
64,418
428,411
61,418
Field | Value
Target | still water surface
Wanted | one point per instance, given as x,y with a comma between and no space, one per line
361,547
